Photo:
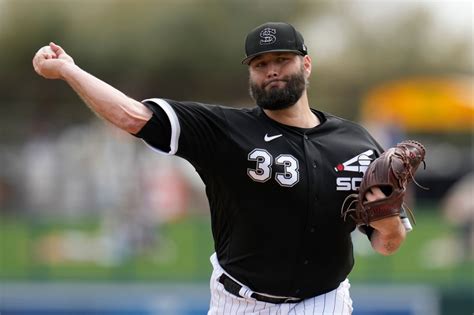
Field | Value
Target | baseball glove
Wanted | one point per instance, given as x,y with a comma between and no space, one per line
391,172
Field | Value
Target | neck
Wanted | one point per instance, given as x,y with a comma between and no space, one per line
298,115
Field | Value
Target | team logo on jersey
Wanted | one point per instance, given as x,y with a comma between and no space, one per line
267,36
358,164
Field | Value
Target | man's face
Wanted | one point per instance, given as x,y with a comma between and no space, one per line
277,80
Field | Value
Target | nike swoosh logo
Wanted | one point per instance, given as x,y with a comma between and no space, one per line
268,138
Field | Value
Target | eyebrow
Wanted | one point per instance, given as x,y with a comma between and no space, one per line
278,54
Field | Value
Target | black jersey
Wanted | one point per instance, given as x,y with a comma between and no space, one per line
275,192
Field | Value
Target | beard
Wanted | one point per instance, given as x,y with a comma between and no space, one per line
279,98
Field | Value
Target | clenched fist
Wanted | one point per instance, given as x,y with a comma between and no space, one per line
49,61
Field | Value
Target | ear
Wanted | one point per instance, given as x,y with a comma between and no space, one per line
307,64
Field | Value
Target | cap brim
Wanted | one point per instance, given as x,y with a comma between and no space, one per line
247,60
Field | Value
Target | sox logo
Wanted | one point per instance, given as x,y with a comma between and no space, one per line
357,164
267,36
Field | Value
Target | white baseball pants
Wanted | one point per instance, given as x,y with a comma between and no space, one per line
336,302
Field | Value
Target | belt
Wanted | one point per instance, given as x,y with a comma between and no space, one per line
233,287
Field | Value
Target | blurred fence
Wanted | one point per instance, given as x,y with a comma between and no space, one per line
186,299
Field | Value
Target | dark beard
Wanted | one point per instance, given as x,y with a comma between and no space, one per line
279,98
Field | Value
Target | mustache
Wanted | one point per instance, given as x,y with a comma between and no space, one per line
265,83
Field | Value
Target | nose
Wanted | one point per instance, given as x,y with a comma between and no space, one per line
272,71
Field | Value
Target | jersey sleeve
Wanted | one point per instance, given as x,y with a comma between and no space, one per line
157,131
193,131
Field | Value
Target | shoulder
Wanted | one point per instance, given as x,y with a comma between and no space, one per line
344,124
218,108
239,114
339,126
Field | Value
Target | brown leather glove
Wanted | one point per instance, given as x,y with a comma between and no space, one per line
391,172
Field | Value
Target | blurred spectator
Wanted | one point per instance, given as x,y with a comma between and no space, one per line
458,208
386,134
6,196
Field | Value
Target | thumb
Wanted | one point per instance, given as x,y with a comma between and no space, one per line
56,48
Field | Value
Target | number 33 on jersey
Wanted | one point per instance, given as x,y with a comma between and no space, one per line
263,171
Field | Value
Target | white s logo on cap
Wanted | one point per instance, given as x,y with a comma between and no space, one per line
267,36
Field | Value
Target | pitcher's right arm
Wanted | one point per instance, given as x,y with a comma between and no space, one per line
52,62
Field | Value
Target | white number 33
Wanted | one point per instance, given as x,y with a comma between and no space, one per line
263,168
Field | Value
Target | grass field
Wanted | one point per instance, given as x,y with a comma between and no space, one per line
33,250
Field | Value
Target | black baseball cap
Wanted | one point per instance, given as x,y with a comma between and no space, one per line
273,36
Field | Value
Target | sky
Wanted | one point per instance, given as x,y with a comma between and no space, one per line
452,18
451,15
456,15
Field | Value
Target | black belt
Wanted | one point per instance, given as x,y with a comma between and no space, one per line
233,287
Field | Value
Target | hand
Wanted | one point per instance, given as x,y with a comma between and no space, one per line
387,225
49,60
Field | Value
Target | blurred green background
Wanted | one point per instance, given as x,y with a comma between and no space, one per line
81,201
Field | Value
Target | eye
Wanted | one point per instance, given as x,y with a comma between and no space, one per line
259,64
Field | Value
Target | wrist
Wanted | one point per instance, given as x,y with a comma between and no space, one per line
396,230
392,233
387,226
66,69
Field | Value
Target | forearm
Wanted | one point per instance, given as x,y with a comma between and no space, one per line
388,239
106,101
